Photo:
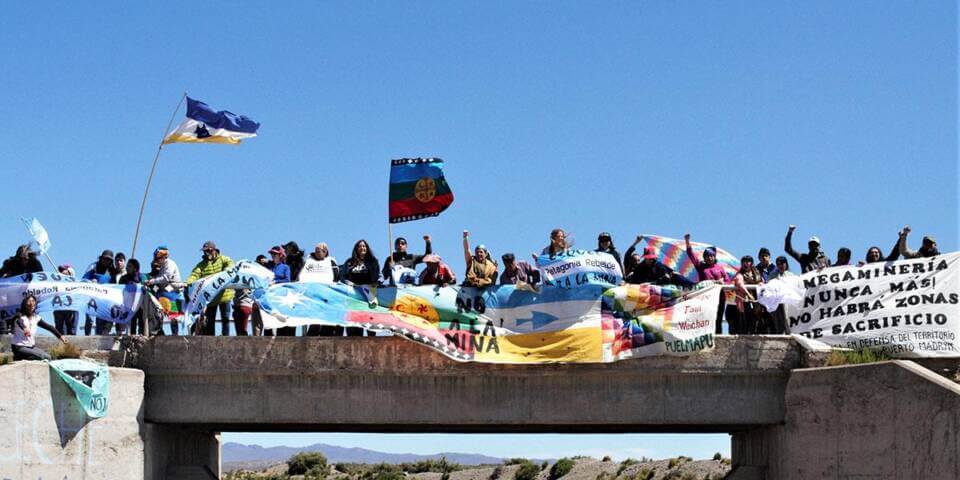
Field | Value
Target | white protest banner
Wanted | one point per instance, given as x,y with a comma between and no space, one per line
907,308
579,267
111,302
243,274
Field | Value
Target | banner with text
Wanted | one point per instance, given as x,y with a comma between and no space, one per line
243,274
907,308
579,267
111,302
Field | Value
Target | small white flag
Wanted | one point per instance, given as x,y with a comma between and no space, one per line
38,233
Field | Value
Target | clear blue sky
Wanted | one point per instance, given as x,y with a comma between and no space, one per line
729,121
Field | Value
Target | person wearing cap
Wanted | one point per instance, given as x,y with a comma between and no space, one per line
515,272
24,261
281,271
401,258
436,272
481,269
764,265
161,282
605,245
814,259
650,270
212,263
927,249
101,271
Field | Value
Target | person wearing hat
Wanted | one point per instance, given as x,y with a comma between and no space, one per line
24,261
281,271
605,245
927,249
212,263
164,273
814,259
101,271
650,270
437,272
400,257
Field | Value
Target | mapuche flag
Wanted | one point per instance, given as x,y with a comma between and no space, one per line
206,125
417,189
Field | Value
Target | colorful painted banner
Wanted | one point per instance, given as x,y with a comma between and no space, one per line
111,302
574,268
417,189
243,274
503,324
906,309
673,253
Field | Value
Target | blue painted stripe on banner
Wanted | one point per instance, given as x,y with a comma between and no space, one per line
202,112
414,172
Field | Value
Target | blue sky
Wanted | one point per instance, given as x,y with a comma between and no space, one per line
729,121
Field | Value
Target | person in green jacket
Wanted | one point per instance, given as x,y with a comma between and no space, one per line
211,264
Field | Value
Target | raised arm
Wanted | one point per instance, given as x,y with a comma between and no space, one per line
467,258
902,244
693,256
788,244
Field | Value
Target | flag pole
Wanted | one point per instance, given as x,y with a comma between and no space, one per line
153,169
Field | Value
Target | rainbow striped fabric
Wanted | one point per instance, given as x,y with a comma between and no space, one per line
673,253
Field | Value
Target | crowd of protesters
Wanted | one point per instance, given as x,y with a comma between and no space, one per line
290,264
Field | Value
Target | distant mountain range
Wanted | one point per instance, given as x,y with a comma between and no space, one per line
237,452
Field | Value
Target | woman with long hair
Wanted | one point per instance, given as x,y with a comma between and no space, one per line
25,325
362,268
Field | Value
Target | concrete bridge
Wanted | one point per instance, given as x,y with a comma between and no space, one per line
787,418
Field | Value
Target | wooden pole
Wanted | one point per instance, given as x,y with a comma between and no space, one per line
153,169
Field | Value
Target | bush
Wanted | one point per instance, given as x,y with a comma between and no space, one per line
645,474
717,456
626,464
304,462
496,473
855,357
673,463
515,461
606,458
543,466
527,471
350,469
5,359
560,468
438,466
64,350
383,471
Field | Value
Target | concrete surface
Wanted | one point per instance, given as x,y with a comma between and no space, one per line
44,433
889,420
390,384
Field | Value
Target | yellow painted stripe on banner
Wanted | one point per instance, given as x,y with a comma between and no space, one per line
192,139
572,345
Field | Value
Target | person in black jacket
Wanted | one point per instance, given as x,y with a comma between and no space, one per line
650,270
814,259
362,268
24,261
294,260
605,245
400,257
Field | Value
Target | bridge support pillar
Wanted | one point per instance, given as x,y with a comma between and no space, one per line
175,451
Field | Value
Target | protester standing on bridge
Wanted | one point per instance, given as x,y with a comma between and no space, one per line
319,266
764,265
362,268
927,249
814,259
709,269
650,270
102,272
843,257
66,320
436,272
515,273
558,243
23,341
281,271
132,276
119,267
874,254
751,314
631,258
779,323
163,281
481,269
24,261
400,258
294,259
212,263
605,245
